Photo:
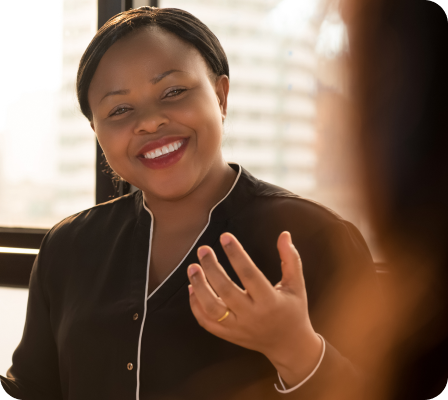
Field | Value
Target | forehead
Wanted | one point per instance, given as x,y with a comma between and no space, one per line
146,52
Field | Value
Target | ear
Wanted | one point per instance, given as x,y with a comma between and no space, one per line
92,125
222,91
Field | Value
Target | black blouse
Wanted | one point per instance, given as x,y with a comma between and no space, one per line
93,332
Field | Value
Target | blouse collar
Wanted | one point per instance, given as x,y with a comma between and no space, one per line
235,199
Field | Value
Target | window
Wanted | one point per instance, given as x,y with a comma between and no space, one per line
12,309
47,151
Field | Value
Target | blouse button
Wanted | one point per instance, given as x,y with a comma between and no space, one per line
130,366
135,317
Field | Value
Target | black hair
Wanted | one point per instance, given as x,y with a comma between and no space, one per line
183,24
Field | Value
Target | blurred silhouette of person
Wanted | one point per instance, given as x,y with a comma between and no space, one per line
399,59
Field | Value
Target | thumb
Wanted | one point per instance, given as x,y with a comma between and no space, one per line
292,273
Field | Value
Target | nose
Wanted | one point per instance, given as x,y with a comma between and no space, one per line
150,120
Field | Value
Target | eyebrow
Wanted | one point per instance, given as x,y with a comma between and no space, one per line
154,80
159,77
115,92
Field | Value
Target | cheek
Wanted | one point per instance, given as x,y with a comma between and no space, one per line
200,109
211,129
204,117
114,145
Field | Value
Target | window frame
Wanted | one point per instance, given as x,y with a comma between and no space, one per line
15,268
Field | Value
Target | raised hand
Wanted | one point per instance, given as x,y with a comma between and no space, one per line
270,319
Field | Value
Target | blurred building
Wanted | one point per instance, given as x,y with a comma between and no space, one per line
47,149
76,140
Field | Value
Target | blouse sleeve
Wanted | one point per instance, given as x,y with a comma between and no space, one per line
34,374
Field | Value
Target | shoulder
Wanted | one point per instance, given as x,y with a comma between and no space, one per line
100,218
80,240
275,202
275,209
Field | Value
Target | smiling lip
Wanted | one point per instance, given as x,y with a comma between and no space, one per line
165,160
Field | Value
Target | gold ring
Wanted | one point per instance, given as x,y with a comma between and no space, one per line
224,316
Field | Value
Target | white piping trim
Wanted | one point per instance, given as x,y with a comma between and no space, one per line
172,272
284,391
137,393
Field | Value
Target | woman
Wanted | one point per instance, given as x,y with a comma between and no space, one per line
111,314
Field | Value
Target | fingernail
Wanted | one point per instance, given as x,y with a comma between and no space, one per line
225,239
193,269
190,289
202,252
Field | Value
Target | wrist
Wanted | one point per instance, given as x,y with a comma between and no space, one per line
296,359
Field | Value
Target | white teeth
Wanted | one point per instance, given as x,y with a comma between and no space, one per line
164,150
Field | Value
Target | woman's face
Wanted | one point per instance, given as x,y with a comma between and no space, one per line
158,111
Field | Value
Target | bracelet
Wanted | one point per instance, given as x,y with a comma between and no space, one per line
308,377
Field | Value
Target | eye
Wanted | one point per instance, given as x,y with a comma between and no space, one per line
119,111
175,92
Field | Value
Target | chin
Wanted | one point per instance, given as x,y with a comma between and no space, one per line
170,191
169,195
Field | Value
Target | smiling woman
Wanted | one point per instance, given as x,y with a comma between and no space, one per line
176,291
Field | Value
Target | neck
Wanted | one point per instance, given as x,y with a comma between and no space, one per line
196,205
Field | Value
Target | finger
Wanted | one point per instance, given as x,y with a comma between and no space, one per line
253,280
292,273
213,306
212,325
225,288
